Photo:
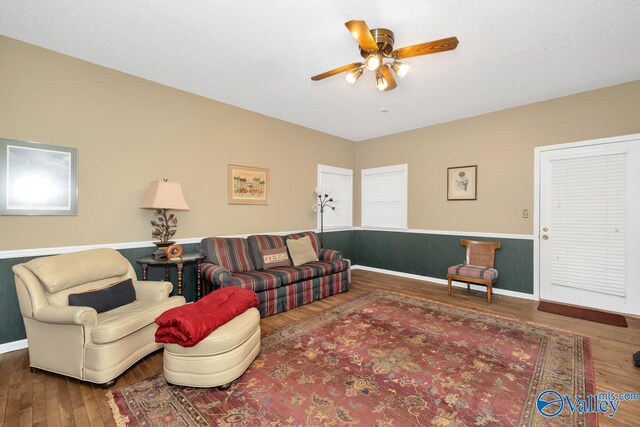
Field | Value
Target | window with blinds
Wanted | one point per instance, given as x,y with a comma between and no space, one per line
339,182
588,222
384,197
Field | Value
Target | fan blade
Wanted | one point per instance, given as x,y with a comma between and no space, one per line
435,46
386,73
337,71
362,34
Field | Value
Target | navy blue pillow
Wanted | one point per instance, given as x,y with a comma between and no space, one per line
106,299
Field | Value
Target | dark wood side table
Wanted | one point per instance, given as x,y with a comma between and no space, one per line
187,258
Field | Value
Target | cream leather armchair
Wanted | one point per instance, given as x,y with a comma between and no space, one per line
78,341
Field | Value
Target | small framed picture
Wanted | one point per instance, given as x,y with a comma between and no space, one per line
37,179
462,182
248,185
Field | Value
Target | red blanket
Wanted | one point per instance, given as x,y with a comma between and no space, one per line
189,324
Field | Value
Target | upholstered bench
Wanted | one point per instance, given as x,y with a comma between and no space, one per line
220,358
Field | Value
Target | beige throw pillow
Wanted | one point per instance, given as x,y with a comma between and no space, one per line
301,250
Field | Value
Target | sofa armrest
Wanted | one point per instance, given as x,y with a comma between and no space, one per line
67,315
215,274
329,255
152,290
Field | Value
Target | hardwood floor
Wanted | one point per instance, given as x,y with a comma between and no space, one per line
43,398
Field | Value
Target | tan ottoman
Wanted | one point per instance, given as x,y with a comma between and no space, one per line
218,359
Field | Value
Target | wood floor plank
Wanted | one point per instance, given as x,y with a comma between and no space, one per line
64,402
52,404
39,405
44,398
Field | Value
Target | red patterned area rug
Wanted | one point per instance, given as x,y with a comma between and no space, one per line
384,359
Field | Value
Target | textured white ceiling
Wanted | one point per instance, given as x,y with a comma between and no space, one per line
260,55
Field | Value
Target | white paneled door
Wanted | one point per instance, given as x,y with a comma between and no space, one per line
589,219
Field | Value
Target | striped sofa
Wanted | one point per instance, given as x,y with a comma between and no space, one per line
238,262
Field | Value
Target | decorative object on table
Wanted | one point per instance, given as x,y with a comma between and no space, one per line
462,183
162,196
40,179
374,361
174,252
248,185
324,201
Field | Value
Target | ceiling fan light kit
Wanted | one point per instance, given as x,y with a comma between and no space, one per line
372,62
376,46
354,75
381,83
400,68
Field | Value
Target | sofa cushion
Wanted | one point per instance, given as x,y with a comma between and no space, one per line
118,323
301,250
276,257
230,253
474,271
294,274
258,243
312,236
256,280
324,268
106,299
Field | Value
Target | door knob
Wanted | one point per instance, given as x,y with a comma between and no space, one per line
545,237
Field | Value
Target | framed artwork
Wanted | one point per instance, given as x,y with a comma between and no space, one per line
37,179
248,185
462,183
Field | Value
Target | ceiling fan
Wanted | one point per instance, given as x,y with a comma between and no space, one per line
376,47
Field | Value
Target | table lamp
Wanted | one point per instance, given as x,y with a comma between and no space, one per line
162,196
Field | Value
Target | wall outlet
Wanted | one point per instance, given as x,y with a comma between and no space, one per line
525,213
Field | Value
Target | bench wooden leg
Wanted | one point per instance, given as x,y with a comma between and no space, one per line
449,280
468,286
489,294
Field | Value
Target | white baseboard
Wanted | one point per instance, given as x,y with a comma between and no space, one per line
497,291
13,346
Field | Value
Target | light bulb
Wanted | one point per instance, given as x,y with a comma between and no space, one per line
381,82
400,68
354,75
372,62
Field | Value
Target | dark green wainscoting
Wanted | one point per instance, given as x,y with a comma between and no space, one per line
431,254
423,254
343,241
11,325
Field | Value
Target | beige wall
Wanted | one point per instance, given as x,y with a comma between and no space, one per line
502,145
129,131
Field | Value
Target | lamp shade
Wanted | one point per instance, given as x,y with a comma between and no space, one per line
164,195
